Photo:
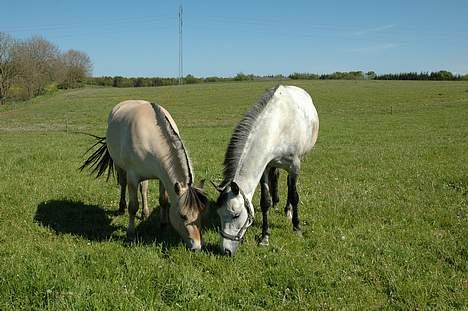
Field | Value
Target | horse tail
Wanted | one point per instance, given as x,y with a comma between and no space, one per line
100,160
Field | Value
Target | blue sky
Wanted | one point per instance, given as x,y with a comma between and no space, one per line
223,38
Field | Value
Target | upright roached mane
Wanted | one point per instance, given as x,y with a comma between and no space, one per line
241,134
178,144
193,197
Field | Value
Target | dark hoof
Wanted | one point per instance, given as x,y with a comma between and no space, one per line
120,212
131,238
264,241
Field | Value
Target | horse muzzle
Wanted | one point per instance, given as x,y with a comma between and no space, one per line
194,245
229,247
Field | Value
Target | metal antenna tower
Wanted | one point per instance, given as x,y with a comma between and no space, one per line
181,56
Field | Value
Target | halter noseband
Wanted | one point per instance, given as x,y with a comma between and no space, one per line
250,218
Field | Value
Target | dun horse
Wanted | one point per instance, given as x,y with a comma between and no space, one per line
276,133
142,142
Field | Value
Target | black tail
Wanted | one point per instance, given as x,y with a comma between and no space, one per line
100,160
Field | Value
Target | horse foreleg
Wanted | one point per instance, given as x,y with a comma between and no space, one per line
163,205
132,207
273,181
265,203
122,179
144,199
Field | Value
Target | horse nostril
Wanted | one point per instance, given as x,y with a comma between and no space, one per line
227,252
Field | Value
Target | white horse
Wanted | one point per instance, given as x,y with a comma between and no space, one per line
142,142
276,133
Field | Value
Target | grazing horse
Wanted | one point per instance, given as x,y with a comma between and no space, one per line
276,133
142,142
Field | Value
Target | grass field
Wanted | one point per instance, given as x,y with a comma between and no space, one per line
383,206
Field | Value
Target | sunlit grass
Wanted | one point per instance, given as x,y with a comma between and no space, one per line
383,206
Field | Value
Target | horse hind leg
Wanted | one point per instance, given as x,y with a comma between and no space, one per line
144,199
273,181
288,206
122,179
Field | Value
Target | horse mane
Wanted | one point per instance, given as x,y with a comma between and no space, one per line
194,198
240,135
177,144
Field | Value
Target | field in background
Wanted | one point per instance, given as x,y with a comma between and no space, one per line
383,206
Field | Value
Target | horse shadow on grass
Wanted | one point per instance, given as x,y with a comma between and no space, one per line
94,223
90,222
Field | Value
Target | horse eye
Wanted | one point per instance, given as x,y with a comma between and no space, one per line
184,217
235,216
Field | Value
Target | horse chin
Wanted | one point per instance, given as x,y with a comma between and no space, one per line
229,247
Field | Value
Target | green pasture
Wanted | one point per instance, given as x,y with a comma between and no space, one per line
383,206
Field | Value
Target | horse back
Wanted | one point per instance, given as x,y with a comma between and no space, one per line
292,123
134,138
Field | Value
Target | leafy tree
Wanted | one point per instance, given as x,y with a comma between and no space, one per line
37,62
76,68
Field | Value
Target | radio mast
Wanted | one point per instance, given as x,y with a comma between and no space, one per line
181,56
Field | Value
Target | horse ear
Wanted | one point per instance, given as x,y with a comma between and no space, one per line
235,188
218,188
177,188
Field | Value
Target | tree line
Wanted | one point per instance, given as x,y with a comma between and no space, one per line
442,75
119,81
36,66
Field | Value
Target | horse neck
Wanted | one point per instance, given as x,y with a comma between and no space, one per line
169,177
251,168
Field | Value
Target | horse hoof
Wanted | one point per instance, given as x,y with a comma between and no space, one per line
131,238
264,241
298,233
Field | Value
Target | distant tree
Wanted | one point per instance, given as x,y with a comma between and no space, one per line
190,79
422,76
7,68
213,79
76,67
243,77
118,81
37,62
139,82
370,75
303,76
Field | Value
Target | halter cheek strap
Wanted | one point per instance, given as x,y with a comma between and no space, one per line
250,218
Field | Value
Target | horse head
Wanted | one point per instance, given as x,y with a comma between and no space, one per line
185,216
236,214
